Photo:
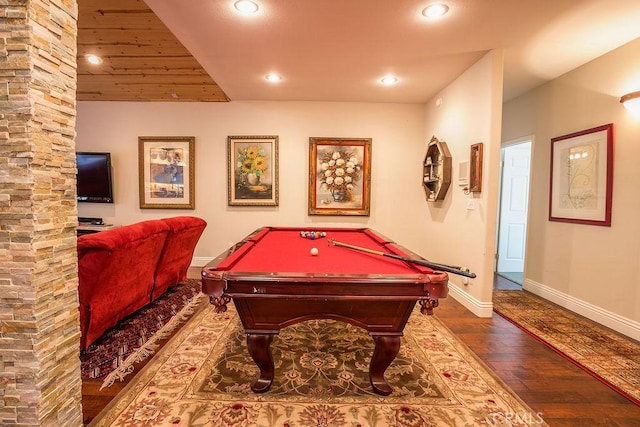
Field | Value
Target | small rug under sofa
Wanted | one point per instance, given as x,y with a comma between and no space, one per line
112,356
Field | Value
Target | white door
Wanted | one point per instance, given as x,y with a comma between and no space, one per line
514,199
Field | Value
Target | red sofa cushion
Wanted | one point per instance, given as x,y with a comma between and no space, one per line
184,233
116,270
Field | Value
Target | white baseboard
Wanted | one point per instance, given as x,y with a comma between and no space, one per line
606,318
200,261
477,307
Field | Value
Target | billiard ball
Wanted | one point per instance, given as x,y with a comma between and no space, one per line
314,251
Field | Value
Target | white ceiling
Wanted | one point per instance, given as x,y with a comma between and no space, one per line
337,50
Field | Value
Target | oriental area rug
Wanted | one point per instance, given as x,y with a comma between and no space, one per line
112,356
608,356
201,377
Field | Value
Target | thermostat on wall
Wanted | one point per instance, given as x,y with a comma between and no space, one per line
463,173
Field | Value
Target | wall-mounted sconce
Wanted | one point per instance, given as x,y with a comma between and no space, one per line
631,101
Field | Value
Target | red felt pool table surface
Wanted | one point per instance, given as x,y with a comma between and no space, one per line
283,250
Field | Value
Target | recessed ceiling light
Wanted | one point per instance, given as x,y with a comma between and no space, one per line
93,59
389,80
435,10
273,78
246,6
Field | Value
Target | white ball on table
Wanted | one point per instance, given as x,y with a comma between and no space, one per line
314,251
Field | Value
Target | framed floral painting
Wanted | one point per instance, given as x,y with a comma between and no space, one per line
339,176
253,170
166,170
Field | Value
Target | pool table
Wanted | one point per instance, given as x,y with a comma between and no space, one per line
275,281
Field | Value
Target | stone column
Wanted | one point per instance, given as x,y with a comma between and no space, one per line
39,328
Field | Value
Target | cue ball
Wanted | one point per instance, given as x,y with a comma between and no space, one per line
314,251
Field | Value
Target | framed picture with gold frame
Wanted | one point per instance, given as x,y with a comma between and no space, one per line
339,176
252,170
166,170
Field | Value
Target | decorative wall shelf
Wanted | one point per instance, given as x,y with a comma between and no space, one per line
436,170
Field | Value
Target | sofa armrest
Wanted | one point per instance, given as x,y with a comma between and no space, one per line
185,231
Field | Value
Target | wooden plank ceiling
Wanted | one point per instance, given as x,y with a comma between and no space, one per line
142,59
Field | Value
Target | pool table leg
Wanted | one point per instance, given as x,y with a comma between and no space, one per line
386,350
427,305
260,351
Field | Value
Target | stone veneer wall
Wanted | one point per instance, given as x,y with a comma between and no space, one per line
39,327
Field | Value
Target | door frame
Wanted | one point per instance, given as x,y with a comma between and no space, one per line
506,144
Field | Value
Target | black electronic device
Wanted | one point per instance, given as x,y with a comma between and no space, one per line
94,177
90,220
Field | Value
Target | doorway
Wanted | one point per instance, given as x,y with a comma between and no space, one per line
513,209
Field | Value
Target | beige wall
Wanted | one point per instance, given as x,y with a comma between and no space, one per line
446,233
470,112
398,144
590,269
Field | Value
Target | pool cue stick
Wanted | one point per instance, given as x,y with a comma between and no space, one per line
413,260
448,268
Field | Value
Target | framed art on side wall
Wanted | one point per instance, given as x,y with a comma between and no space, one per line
339,176
475,168
166,170
582,177
252,170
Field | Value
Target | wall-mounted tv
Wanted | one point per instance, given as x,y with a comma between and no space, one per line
94,177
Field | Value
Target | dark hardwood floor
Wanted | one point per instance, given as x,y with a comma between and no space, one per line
504,283
560,392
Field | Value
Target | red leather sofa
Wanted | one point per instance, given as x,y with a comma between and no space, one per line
123,269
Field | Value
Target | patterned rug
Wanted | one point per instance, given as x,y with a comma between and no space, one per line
606,355
111,357
202,377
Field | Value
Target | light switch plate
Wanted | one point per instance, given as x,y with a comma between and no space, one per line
471,204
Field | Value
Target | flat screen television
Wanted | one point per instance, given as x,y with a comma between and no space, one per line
94,177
